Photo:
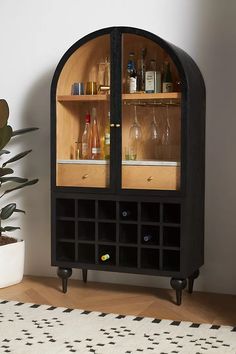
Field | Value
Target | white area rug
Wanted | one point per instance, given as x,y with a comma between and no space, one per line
42,329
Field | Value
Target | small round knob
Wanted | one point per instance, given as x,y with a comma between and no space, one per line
85,176
149,179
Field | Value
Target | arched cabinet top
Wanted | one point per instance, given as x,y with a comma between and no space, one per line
87,50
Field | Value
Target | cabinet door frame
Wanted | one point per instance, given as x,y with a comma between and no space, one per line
114,111
173,52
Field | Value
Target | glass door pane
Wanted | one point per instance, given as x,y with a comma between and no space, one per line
151,116
83,117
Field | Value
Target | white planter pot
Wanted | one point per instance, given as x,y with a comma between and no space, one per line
12,258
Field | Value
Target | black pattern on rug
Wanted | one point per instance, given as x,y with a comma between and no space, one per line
32,328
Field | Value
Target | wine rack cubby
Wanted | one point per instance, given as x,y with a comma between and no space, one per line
137,206
130,242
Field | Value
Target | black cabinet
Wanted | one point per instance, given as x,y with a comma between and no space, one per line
139,209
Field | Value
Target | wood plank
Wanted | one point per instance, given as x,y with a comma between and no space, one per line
152,96
82,98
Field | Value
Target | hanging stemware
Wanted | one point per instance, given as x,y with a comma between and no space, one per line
165,140
135,137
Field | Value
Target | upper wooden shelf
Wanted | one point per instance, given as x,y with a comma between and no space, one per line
70,98
151,96
125,97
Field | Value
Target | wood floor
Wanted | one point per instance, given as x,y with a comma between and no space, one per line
122,299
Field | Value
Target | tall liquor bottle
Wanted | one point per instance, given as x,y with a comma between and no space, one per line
95,139
141,71
167,82
86,138
107,139
131,74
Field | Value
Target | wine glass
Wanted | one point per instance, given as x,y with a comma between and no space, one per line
135,132
154,130
155,136
165,139
135,136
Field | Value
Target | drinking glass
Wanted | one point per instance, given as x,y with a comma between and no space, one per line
135,136
135,132
155,136
165,140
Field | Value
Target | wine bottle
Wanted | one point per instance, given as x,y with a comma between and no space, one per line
107,139
150,77
167,82
95,139
131,74
126,214
105,257
147,237
141,71
86,138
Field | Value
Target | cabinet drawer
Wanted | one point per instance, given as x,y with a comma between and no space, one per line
79,175
151,177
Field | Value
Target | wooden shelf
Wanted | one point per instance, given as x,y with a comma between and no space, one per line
125,97
152,96
82,98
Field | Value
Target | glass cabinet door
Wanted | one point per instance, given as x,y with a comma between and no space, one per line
83,117
151,116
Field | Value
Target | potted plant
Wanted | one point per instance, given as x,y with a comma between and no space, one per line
11,249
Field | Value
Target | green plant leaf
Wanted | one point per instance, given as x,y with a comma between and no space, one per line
29,183
23,131
7,211
9,228
19,211
13,179
2,152
5,135
5,171
4,112
16,157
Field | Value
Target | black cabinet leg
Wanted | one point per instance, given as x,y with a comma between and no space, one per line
178,285
85,274
191,280
64,274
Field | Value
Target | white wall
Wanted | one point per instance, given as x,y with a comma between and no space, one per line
33,37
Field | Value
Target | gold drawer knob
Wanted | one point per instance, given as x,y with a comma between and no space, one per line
117,125
149,179
85,176
112,125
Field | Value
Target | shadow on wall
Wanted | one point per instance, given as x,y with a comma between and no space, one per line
36,222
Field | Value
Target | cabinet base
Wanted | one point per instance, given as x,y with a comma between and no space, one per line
85,275
178,285
191,280
64,274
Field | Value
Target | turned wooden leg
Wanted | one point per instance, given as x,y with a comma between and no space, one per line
191,280
64,274
178,285
85,274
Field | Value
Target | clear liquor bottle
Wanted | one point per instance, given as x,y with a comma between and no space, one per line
95,138
107,138
86,138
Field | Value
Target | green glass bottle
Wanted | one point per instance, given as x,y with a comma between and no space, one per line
167,82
